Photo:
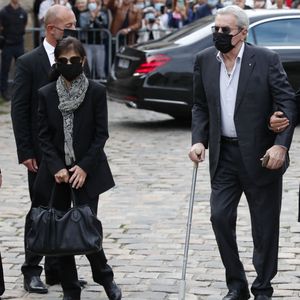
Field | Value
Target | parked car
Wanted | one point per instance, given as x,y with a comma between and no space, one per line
158,75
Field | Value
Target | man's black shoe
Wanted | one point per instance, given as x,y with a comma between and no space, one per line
54,281
262,297
237,295
112,291
34,284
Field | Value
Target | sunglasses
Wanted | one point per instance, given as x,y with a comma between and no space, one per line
225,29
73,60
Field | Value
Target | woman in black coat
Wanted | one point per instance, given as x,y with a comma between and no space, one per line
73,130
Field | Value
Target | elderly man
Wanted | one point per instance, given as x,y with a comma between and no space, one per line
235,89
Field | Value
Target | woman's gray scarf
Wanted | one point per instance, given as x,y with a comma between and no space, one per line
69,100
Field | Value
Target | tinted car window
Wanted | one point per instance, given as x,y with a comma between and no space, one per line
278,32
187,30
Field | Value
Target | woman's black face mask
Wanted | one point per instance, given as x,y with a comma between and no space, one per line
70,71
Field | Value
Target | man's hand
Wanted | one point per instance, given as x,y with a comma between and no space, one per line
278,122
197,153
31,164
78,177
277,157
62,176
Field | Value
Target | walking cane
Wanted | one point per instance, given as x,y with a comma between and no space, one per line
188,233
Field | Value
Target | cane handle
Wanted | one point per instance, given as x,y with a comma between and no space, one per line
197,152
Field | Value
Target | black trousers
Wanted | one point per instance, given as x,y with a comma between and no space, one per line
230,181
8,53
101,271
31,265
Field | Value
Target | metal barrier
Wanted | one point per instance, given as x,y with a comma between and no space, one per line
97,37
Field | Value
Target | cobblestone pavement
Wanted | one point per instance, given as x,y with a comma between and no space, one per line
144,216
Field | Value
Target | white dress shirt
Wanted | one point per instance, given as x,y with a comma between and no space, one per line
50,51
228,91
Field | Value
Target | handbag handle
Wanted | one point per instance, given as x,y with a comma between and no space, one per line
53,192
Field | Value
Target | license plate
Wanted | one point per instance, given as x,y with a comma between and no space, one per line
123,63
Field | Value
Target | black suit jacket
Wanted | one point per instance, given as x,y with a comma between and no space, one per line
262,87
90,133
32,71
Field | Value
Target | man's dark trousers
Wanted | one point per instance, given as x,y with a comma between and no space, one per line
8,53
230,181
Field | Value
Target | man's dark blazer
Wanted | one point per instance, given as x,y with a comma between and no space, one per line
262,88
90,132
32,70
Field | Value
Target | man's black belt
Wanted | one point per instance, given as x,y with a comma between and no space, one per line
229,140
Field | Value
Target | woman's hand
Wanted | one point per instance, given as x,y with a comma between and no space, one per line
62,176
78,177
278,122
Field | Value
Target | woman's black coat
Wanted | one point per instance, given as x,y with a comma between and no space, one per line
90,133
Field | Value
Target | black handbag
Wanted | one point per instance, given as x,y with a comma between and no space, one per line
57,233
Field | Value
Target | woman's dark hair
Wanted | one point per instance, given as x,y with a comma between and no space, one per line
67,44
63,46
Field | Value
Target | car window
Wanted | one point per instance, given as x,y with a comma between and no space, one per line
191,29
277,32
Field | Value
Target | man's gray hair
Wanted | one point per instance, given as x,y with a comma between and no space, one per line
241,16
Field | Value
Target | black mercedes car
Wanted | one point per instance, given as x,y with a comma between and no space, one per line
158,75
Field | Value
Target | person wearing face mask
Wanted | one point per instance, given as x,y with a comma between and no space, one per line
73,153
43,8
140,4
96,43
236,87
31,73
151,28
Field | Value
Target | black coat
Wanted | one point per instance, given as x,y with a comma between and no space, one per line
90,133
32,71
262,88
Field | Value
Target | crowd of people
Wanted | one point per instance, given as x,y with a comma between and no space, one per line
129,21
60,146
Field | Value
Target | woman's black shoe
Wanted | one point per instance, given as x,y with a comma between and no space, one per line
34,284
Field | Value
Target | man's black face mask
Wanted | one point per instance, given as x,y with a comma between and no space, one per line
222,41
70,32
